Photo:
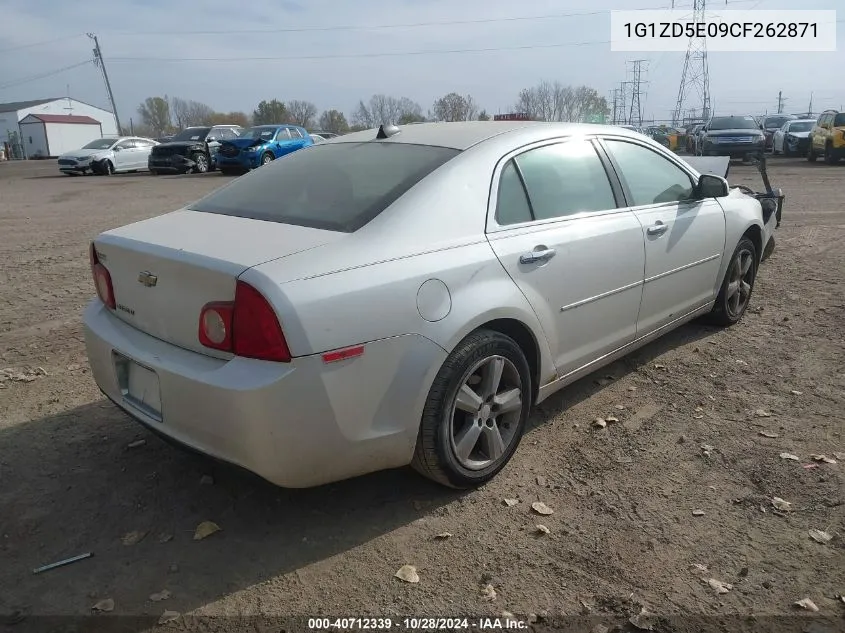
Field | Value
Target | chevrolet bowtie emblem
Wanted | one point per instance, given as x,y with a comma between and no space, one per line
147,278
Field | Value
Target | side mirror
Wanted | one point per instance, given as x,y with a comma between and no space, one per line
711,186
117,149
211,139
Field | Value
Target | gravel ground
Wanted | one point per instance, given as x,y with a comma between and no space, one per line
685,477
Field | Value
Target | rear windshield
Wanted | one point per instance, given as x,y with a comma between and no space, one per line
336,186
774,122
803,126
839,119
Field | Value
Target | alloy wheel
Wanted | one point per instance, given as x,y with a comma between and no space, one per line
485,415
738,291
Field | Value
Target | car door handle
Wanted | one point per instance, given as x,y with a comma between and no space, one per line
537,256
658,228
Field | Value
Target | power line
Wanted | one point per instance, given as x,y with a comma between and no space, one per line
362,27
49,73
43,43
357,55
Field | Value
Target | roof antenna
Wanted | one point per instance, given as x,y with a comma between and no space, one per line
387,130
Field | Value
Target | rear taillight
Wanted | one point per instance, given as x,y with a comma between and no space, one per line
247,326
102,279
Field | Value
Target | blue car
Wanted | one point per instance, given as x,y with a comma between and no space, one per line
259,145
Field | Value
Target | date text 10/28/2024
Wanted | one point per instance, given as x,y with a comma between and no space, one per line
508,623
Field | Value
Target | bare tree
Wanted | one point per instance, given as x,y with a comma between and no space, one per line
334,121
302,113
229,118
455,107
155,113
179,111
555,102
483,116
381,109
198,113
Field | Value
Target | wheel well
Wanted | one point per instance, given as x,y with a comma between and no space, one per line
756,235
523,336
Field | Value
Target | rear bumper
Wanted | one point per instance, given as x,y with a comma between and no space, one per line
296,424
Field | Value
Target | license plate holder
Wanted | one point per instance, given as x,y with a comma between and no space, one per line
139,386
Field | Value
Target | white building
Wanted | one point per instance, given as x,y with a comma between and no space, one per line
12,114
51,135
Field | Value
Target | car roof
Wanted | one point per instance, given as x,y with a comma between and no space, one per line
465,134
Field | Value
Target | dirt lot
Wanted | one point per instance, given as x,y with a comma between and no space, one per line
702,418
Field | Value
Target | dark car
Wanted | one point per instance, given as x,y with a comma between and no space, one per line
772,124
734,136
194,149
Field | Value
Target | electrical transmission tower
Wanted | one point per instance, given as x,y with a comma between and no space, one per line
624,91
696,77
635,113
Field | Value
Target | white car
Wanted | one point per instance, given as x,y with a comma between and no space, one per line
404,296
793,137
108,156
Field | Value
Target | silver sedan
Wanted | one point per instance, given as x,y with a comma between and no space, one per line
404,296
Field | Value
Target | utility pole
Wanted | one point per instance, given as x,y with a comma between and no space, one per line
810,111
695,76
636,108
780,101
101,64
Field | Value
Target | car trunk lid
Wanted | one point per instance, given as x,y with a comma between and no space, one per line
165,269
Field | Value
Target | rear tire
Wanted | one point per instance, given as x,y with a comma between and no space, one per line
737,286
463,442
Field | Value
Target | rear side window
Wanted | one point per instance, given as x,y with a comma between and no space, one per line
336,187
565,179
511,202
839,119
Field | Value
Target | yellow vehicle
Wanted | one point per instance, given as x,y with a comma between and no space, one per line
828,137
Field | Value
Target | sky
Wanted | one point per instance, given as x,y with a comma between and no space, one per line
363,57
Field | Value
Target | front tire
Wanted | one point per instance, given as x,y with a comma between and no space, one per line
200,163
737,286
266,157
476,411
829,157
811,152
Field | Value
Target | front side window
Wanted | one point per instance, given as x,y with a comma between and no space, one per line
839,119
651,178
565,179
